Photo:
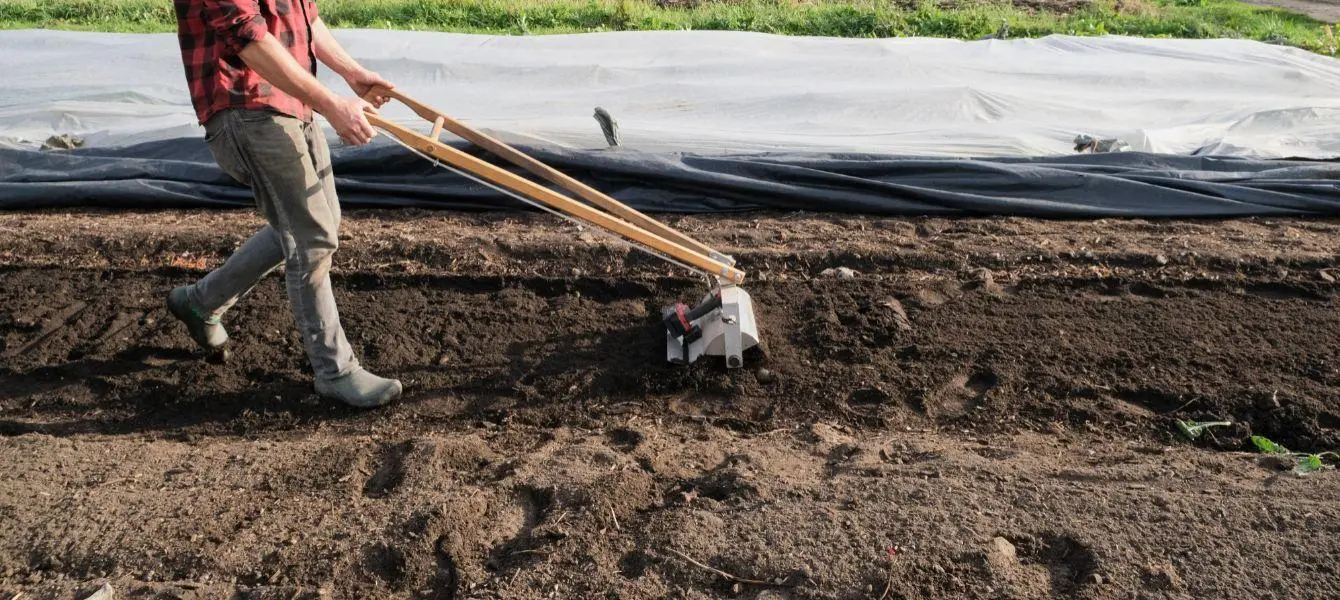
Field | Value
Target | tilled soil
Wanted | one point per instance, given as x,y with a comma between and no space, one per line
986,409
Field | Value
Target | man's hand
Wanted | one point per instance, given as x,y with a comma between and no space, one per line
360,80
363,81
278,67
348,118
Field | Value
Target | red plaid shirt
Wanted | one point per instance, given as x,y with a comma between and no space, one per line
212,33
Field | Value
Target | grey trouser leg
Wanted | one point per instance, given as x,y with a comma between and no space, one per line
287,165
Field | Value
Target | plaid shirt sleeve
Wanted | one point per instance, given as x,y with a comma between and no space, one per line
236,22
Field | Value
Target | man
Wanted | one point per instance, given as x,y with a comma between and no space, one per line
250,66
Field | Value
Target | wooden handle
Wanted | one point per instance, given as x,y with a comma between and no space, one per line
548,173
556,201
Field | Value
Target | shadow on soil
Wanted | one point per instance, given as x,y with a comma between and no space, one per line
154,404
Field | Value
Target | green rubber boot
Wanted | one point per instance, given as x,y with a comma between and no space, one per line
204,328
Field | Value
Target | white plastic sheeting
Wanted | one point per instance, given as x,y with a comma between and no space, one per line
711,92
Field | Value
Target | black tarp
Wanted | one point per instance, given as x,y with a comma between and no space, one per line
181,173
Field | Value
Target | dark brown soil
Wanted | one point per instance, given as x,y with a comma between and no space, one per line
977,379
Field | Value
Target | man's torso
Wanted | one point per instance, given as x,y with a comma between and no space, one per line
212,32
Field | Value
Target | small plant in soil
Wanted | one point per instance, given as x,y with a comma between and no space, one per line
1193,429
1306,462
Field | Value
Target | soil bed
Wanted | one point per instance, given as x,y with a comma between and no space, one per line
985,410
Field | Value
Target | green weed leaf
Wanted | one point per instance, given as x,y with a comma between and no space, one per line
1265,445
1309,464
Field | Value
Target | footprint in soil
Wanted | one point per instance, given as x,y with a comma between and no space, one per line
385,562
391,473
634,564
446,582
1070,564
625,440
521,548
721,484
962,393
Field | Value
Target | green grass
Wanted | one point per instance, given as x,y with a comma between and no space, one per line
843,18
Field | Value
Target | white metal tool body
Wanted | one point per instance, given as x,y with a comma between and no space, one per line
726,329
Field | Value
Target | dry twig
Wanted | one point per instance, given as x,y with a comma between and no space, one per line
888,582
1182,407
724,574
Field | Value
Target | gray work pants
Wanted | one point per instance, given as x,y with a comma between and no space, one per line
286,163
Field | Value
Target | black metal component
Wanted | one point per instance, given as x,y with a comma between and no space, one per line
680,320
